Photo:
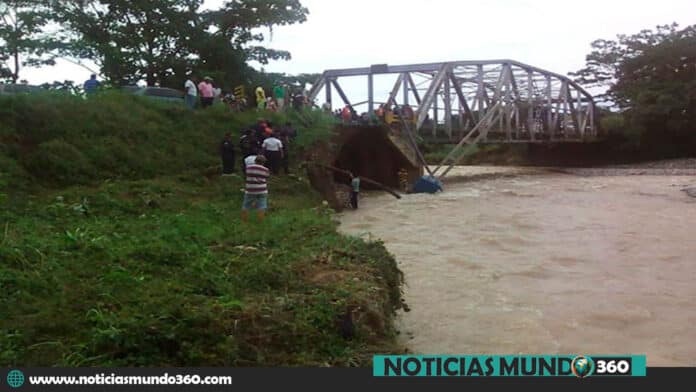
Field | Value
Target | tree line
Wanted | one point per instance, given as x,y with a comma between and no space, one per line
156,41
649,84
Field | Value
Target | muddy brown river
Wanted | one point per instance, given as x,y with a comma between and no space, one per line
543,262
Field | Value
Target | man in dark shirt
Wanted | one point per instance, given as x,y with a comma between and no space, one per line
227,154
284,136
259,128
91,85
248,145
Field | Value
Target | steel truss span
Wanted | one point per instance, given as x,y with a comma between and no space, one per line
499,100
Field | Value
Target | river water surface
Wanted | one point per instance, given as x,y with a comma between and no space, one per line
539,262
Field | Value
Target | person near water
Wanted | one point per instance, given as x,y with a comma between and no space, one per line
256,190
91,85
355,190
191,92
273,150
227,154
206,89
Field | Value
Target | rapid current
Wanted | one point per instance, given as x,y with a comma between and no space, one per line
530,261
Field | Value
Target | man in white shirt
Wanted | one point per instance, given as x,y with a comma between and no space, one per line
191,92
250,160
273,150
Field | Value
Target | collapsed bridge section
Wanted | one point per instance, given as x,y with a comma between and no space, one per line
372,152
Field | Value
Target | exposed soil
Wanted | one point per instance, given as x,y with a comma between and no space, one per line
366,152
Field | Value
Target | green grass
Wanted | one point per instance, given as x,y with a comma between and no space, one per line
56,140
149,265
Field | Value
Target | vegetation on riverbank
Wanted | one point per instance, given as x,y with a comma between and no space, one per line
121,245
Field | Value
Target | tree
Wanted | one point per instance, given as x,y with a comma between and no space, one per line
159,40
603,66
23,39
651,78
132,40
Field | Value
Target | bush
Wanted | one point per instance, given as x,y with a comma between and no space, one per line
612,123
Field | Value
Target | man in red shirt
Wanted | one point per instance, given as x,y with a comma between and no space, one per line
256,194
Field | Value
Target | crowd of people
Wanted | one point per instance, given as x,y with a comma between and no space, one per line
264,151
260,139
205,93
384,114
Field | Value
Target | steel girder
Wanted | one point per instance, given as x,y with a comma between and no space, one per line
450,99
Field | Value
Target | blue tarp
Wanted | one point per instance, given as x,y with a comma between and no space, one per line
427,184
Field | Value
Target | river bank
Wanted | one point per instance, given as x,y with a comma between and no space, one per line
121,245
527,260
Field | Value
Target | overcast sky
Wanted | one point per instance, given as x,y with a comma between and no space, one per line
550,34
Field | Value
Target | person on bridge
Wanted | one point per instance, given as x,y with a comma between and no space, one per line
346,115
408,113
256,192
227,154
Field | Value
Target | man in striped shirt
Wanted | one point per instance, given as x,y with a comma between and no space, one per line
256,194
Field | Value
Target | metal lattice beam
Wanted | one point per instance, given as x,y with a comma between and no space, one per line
532,104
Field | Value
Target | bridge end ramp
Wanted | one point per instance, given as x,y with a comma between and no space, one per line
373,152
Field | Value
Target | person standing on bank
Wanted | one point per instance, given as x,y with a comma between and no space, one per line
279,94
250,160
206,89
284,137
256,194
273,150
355,190
91,85
260,98
227,154
191,92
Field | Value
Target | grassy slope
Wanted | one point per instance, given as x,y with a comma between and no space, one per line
142,259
